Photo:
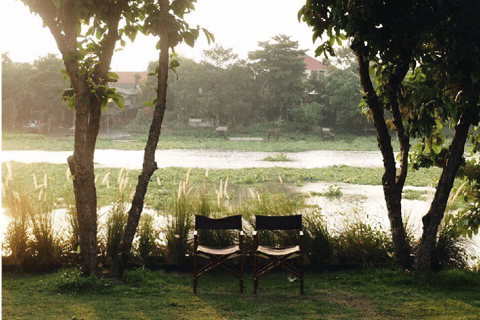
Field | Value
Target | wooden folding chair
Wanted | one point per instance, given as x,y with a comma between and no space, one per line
218,256
278,256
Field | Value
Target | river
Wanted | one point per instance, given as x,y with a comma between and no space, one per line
207,158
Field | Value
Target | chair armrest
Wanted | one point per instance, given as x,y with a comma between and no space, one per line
301,240
240,240
255,240
195,241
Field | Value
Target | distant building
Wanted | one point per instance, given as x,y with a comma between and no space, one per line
128,85
312,64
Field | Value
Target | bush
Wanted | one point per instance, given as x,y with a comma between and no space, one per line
361,245
118,216
147,237
307,116
30,237
318,241
449,251
180,224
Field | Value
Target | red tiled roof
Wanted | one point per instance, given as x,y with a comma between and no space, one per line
313,64
129,77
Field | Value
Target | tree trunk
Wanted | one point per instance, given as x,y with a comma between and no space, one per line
81,166
392,185
432,220
149,164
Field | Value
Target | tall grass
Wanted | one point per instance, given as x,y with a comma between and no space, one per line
319,243
32,239
359,244
147,238
117,215
180,223
30,235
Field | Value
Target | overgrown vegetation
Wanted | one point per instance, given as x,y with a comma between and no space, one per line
185,137
165,237
277,157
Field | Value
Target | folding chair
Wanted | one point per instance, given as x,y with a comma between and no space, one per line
218,256
278,256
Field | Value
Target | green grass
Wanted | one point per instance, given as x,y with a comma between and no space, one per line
414,194
277,157
288,142
370,294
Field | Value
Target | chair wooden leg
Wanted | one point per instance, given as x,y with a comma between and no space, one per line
194,258
300,260
242,271
255,274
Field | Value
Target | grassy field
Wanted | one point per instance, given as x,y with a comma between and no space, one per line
368,294
288,142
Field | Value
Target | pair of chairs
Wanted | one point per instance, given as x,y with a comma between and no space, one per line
276,256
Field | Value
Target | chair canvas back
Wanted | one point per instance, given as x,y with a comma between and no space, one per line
293,222
227,223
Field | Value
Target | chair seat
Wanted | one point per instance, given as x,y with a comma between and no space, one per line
278,251
218,251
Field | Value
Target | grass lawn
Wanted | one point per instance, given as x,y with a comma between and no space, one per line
288,142
369,294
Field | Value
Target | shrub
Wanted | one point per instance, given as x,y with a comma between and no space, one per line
30,237
318,241
449,251
361,245
117,217
307,116
147,237
180,224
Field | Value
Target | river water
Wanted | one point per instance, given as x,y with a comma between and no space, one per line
207,158
358,202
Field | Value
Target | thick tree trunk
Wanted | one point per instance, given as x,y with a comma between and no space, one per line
86,204
392,185
149,164
432,220
81,166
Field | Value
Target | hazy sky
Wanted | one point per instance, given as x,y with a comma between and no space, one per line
237,24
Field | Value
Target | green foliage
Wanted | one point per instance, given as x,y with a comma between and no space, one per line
30,235
280,70
332,192
413,195
117,216
449,252
307,116
362,245
72,281
277,157
147,237
30,92
180,223
319,243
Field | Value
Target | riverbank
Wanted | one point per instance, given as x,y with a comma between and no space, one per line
288,142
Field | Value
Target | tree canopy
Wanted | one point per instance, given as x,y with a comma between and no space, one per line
423,79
